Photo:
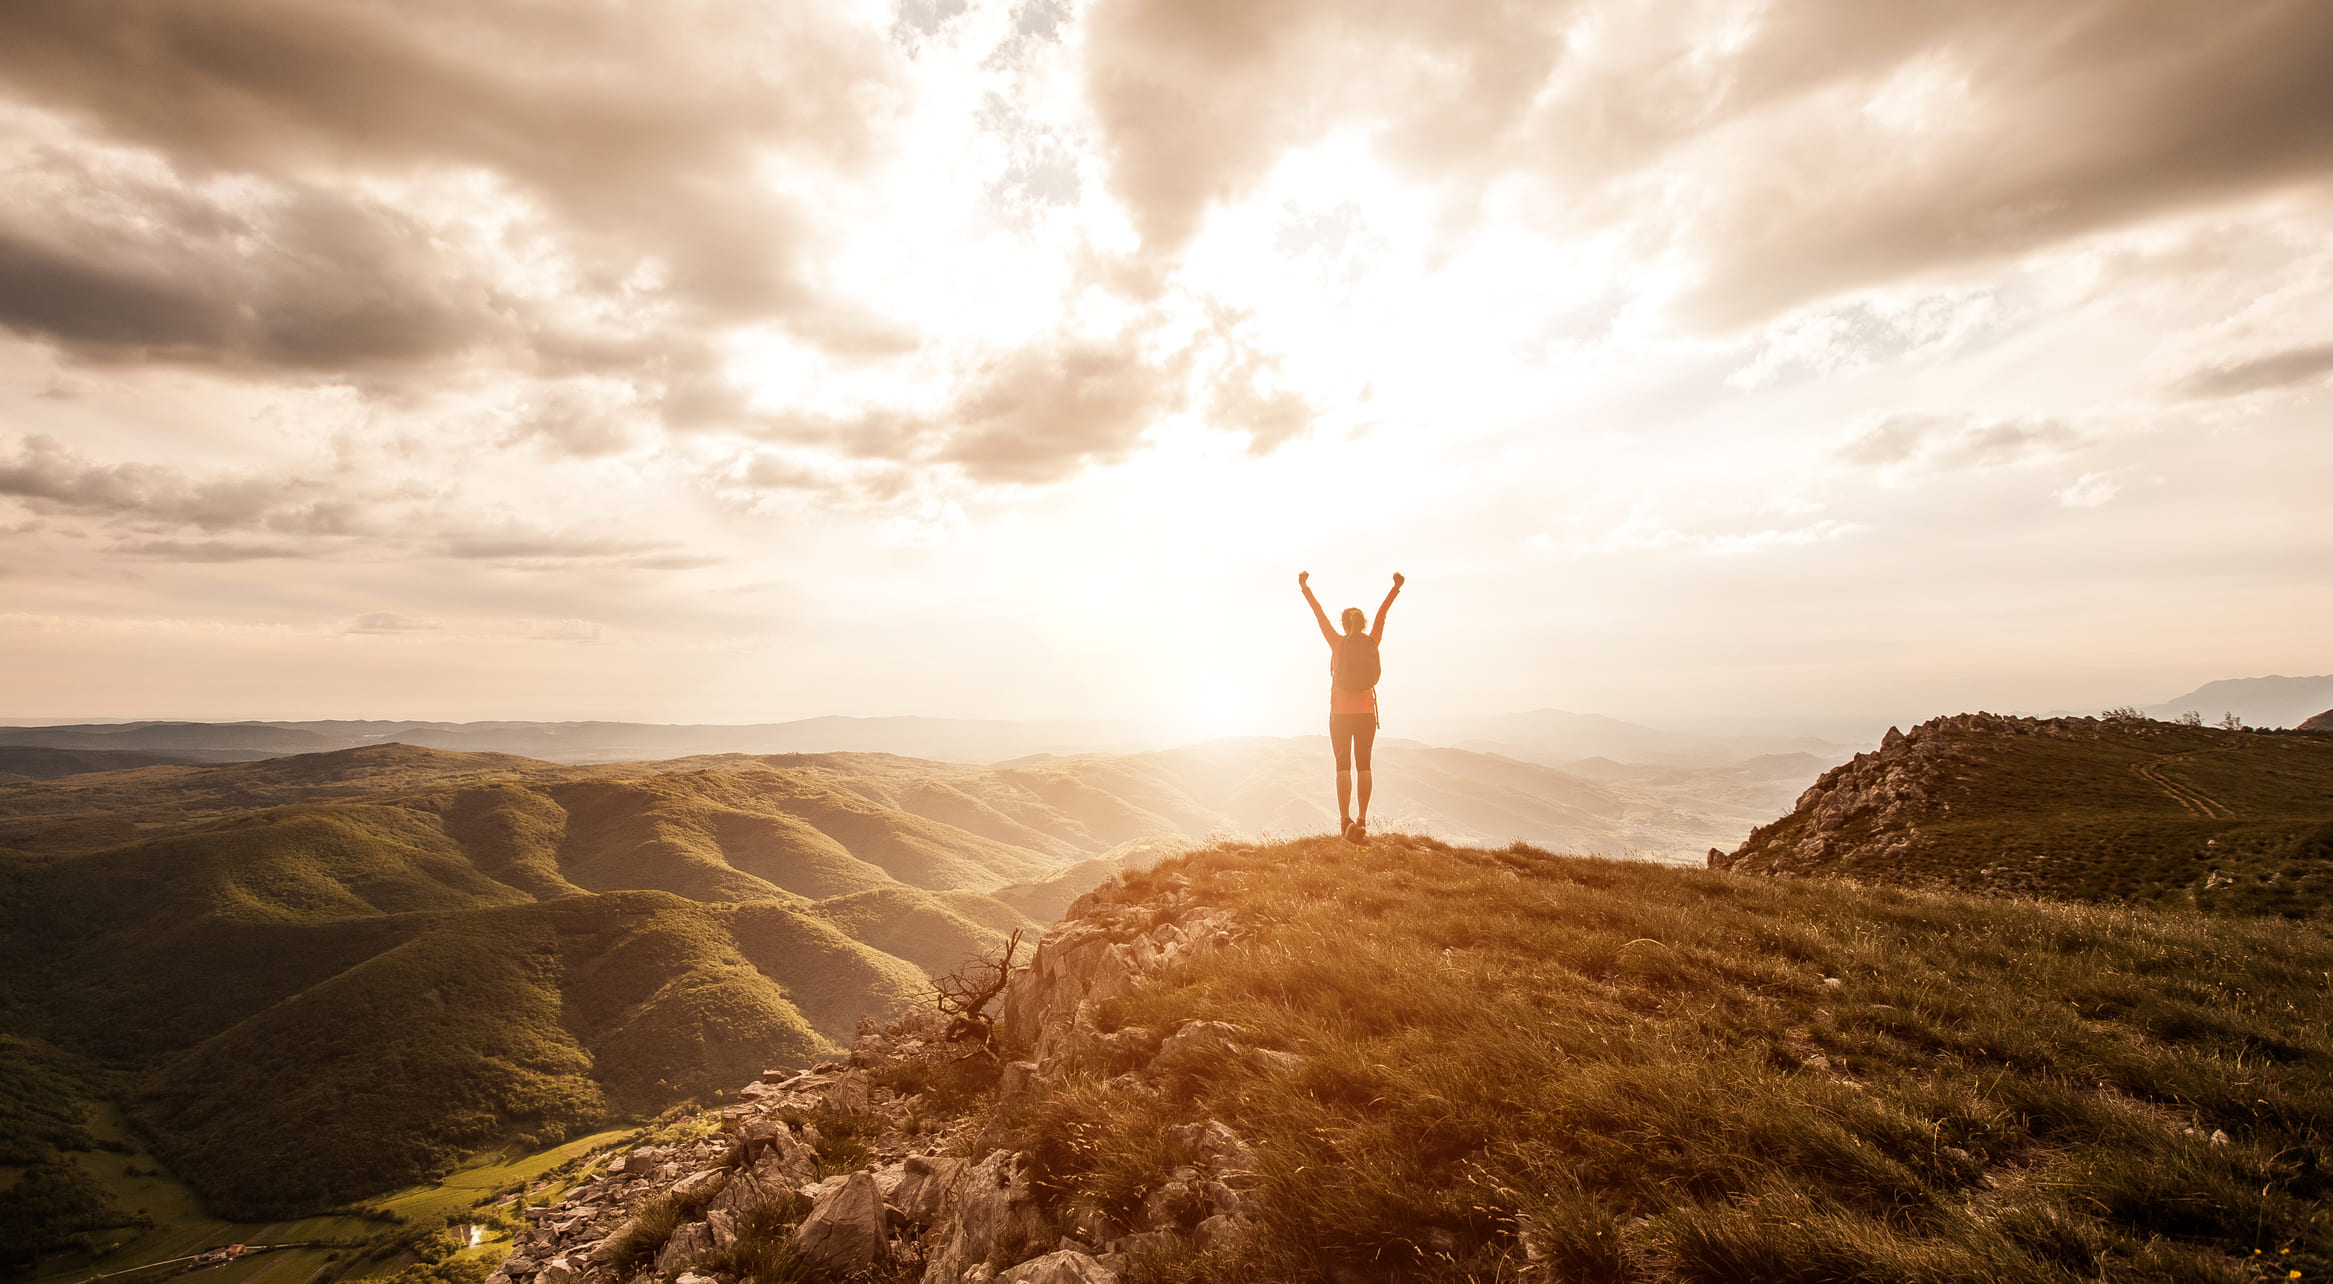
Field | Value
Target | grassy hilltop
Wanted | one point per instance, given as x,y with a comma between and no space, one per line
2077,808
1620,1071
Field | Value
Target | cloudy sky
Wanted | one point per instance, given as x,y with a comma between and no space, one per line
731,361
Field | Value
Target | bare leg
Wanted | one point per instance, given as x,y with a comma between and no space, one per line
1364,796
1345,798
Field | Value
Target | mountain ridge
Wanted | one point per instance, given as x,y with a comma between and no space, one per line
2082,808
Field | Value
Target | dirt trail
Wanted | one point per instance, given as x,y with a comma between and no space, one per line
2195,801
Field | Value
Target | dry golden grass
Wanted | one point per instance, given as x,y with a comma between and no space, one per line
1617,1071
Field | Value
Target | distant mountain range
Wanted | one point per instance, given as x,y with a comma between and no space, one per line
2261,702
1558,738
947,739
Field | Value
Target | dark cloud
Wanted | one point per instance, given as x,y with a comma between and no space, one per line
634,129
211,550
1948,442
1043,412
251,516
311,282
2276,370
2018,124
51,478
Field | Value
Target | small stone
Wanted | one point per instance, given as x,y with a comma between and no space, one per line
557,1271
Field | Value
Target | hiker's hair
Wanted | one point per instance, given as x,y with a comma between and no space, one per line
1354,619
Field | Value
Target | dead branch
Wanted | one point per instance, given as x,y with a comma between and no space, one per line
963,996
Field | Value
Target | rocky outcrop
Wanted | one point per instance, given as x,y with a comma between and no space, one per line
1868,810
950,1200
2322,722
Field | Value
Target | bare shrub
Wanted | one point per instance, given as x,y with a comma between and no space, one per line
964,995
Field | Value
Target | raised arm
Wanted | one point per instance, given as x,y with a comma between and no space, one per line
1303,581
1377,631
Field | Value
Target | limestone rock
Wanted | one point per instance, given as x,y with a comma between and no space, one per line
1065,1266
845,1229
923,1188
848,1096
994,1207
557,1271
704,1183
1223,1232
689,1244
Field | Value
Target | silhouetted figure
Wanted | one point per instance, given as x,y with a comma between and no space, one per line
1353,672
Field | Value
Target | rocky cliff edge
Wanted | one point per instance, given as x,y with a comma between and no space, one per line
860,1169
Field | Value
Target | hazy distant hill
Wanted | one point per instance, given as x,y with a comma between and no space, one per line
951,739
1080,807
2147,812
32,762
2260,702
1556,738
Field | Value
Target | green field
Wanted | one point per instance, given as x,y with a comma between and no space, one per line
184,1228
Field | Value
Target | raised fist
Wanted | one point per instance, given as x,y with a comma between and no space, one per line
1301,577
1397,579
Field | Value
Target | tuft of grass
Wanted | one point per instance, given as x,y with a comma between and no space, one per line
1617,1071
951,1086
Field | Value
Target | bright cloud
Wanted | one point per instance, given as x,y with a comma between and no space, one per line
977,358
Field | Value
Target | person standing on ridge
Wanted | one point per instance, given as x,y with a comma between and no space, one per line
1353,672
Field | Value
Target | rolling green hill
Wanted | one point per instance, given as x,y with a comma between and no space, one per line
2122,810
331,976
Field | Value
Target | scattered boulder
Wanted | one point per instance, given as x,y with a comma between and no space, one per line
923,1189
848,1096
845,1230
1223,1231
690,1244
1065,1266
994,1209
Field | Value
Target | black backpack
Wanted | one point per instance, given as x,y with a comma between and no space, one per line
1357,666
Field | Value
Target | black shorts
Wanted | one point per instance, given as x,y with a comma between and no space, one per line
1351,735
